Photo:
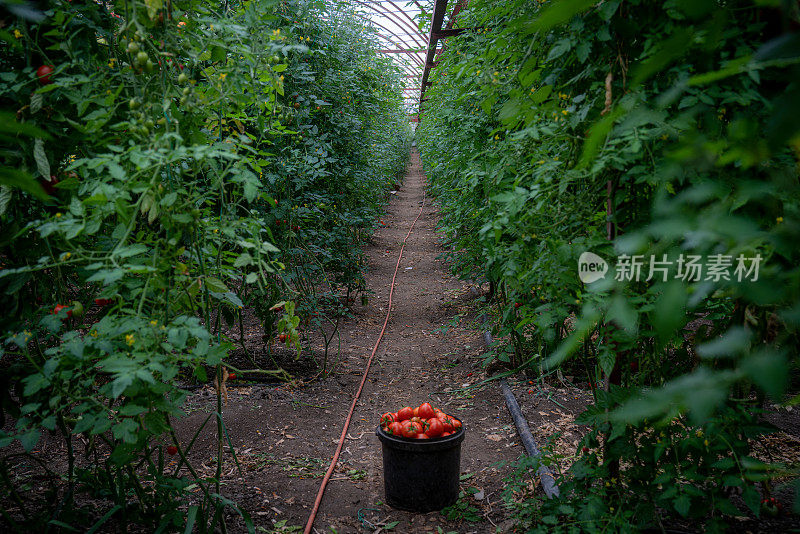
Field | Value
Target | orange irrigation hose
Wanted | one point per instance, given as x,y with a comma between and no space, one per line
321,491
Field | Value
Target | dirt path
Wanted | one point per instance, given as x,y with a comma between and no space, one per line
285,438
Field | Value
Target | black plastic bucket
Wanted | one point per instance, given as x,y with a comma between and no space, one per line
421,475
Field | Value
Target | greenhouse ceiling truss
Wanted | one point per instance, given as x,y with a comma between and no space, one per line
416,54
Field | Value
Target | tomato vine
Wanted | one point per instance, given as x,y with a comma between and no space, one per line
628,128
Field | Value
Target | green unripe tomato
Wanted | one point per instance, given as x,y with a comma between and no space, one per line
133,104
187,90
162,121
184,100
183,78
142,58
149,123
133,47
149,66
77,309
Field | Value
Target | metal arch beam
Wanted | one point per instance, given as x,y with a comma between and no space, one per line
416,29
411,65
437,33
439,9
399,10
408,52
448,29
396,18
380,35
410,72
410,25
411,52
394,35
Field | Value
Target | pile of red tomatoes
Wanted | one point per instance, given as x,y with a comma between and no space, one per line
422,422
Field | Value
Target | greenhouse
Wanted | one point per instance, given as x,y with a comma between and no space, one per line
427,266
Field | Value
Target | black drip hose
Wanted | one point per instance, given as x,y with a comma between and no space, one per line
548,482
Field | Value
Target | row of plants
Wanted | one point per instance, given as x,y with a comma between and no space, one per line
639,131
168,169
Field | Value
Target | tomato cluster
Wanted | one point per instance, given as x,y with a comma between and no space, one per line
422,422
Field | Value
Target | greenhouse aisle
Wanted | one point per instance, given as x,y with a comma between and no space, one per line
285,437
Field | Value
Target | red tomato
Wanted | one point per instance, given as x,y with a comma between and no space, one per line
49,186
60,307
411,429
172,450
456,423
446,434
423,436
435,427
404,413
426,410
387,418
441,415
517,304
102,302
282,338
447,423
416,412
43,73
396,428
232,376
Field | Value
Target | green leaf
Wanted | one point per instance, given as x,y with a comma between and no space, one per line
5,198
216,285
733,342
669,50
624,315
100,522
597,136
229,297
29,439
752,499
682,504
582,328
125,430
42,165
153,7
769,370
191,517
218,54
669,311
541,94
120,383
16,179
559,12
561,47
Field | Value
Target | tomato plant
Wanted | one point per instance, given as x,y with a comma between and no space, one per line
152,143
630,130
